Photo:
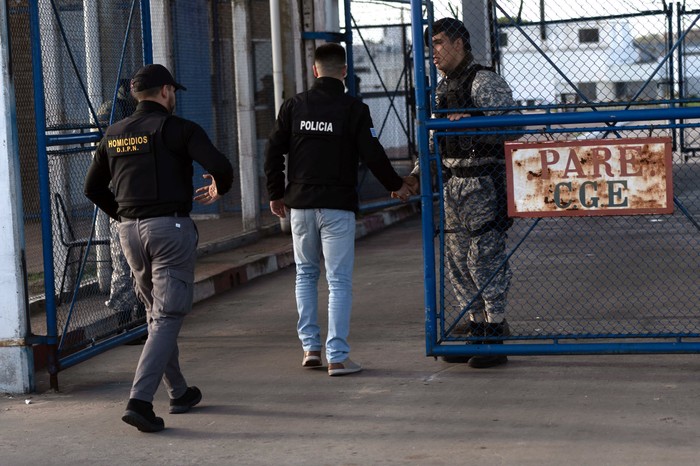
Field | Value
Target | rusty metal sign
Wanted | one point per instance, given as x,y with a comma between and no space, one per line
590,177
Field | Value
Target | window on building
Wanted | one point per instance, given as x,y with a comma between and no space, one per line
588,90
621,91
503,39
588,36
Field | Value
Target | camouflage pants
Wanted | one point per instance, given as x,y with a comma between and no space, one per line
475,248
122,297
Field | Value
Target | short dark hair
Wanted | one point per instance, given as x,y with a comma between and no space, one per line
330,55
453,28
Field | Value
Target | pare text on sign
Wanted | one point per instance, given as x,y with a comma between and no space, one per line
590,177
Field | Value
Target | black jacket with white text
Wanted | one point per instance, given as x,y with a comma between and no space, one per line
326,133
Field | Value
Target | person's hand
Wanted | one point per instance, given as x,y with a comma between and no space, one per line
409,187
402,193
457,116
412,183
277,208
209,194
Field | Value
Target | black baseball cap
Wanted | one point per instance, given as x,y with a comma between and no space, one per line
153,76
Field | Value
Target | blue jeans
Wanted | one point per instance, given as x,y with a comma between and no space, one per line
332,232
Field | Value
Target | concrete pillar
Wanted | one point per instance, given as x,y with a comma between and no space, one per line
16,358
162,33
91,21
308,24
476,19
299,60
245,102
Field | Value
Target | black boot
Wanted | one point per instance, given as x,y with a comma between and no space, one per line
472,329
188,400
140,414
491,330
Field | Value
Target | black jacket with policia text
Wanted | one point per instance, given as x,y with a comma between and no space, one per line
326,134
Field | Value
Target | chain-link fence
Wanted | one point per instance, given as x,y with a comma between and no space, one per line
76,63
582,278
75,80
384,81
551,60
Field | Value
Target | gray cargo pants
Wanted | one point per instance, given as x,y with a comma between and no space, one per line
161,252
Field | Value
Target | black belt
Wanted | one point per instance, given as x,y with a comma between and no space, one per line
169,214
473,172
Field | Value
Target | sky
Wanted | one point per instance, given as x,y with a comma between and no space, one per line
562,9
367,12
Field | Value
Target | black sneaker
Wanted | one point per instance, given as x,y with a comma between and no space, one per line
140,414
470,329
183,404
455,359
492,330
482,362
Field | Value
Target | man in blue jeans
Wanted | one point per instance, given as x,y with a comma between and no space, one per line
325,133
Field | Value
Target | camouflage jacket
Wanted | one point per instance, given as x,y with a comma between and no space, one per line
467,89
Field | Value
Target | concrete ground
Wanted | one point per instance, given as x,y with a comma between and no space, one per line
261,408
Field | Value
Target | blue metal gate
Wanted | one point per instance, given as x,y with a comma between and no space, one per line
614,284
81,56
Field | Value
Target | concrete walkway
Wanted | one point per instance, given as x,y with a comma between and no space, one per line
261,408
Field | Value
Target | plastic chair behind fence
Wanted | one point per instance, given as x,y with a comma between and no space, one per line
70,242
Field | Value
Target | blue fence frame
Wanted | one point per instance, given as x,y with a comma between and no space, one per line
55,361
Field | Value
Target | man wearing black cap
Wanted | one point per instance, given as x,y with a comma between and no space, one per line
476,215
147,157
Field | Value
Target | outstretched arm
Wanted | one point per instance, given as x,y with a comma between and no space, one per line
209,194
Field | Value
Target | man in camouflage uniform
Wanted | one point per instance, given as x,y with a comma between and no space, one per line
476,217
122,297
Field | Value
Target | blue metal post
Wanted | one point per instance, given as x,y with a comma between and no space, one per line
426,194
539,119
147,38
44,194
557,347
681,82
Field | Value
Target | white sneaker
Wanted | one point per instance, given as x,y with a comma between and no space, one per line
311,359
343,368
